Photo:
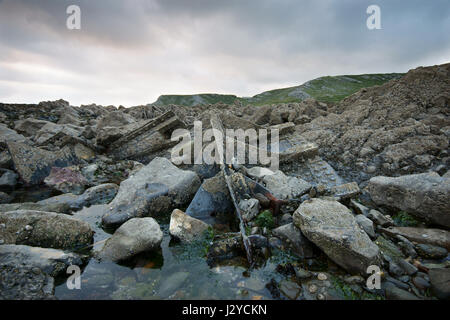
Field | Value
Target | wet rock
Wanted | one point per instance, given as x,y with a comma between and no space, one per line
284,187
172,283
366,224
5,198
101,194
48,207
436,237
294,239
211,199
66,180
44,229
249,208
440,282
25,283
290,289
133,237
53,262
225,248
8,179
406,246
421,283
156,189
185,228
394,293
331,226
423,195
431,252
34,164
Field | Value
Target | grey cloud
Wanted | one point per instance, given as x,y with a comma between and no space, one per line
129,52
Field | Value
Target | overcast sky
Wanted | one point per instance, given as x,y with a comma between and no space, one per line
130,52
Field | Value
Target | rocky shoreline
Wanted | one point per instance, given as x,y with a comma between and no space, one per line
361,183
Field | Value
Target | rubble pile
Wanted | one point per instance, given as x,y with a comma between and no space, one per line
360,184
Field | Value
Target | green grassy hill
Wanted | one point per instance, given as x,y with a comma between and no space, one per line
326,89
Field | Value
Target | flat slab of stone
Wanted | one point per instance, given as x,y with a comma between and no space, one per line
44,229
424,195
332,227
156,189
435,237
151,137
285,187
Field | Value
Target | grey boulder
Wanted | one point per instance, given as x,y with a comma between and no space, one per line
133,237
424,195
156,189
44,229
331,226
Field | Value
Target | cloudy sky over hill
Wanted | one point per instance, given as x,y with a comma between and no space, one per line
130,52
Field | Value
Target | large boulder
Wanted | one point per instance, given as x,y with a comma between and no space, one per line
60,207
26,273
185,228
34,164
156,189
332,227
52,261
440,282
44,229
424,195
133,237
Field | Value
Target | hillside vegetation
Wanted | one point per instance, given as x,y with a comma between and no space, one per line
325,89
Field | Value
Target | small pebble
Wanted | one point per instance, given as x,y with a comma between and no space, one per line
322,276
312,288
320,297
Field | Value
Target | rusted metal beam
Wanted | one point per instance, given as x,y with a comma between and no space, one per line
216,124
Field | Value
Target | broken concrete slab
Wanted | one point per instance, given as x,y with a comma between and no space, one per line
151,137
